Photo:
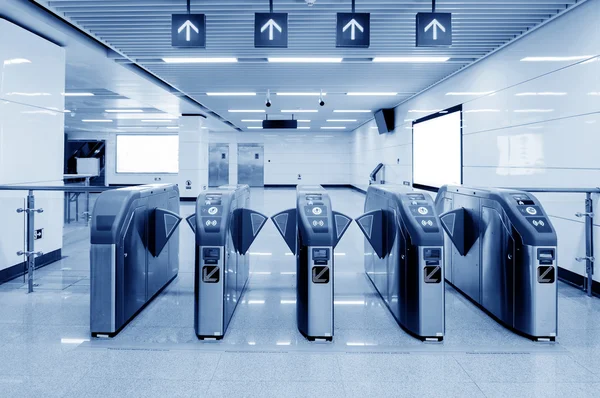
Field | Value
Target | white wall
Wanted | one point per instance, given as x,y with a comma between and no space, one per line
320,158
513,140
31,136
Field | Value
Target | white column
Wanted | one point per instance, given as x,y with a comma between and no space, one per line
193,156
32,72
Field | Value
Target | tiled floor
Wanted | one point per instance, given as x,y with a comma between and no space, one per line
46,350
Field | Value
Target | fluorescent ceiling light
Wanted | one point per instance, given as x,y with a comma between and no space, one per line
251,120
30,94
78,94
255,127
123,111
287,301
374,127
334,128
157,120
411,59
303,128
17,61
465,93
231,94
303,121
351,111
284,343
300,111
172,127
256,301
198,60
594,93
305,60
373,94
96,120
246,111
555,59
342,120
547,94
302,94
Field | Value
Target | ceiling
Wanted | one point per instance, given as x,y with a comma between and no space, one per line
140,32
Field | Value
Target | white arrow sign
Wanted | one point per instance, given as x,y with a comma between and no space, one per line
188,26
270,25
354,25
435,25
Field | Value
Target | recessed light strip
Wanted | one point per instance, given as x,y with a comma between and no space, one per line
123,111
304,60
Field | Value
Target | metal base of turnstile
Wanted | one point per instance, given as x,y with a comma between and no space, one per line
113,334
315,338
438,339
542,339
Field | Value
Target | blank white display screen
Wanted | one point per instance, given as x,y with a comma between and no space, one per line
437,152
147,154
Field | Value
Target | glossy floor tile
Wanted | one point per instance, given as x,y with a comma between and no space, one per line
46,348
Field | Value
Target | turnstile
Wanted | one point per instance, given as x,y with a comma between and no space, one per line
502,255
404,257
312,231
225,228
134,252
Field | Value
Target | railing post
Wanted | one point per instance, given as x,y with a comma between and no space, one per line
87,203
589,242
30,234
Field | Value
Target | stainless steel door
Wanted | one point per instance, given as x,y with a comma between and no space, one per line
218,164
251,165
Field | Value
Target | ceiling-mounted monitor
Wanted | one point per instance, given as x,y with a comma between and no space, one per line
385,119
280,124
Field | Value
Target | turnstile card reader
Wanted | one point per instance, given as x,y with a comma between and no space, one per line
404,257
134,252
225,228
312,231
501,254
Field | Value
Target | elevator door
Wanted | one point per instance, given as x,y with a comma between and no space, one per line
218,165
251,165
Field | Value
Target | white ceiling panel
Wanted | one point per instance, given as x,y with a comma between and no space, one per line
140,30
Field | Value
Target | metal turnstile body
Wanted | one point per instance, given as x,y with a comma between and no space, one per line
134,252
404,259
225,228
311,231
502,254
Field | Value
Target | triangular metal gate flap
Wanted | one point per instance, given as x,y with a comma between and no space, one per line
285,222
342,222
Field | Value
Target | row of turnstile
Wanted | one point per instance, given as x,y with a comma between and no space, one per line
497,247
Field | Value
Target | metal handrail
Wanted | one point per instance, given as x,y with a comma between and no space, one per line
29,211
558,190
64,188
589,228
373,175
